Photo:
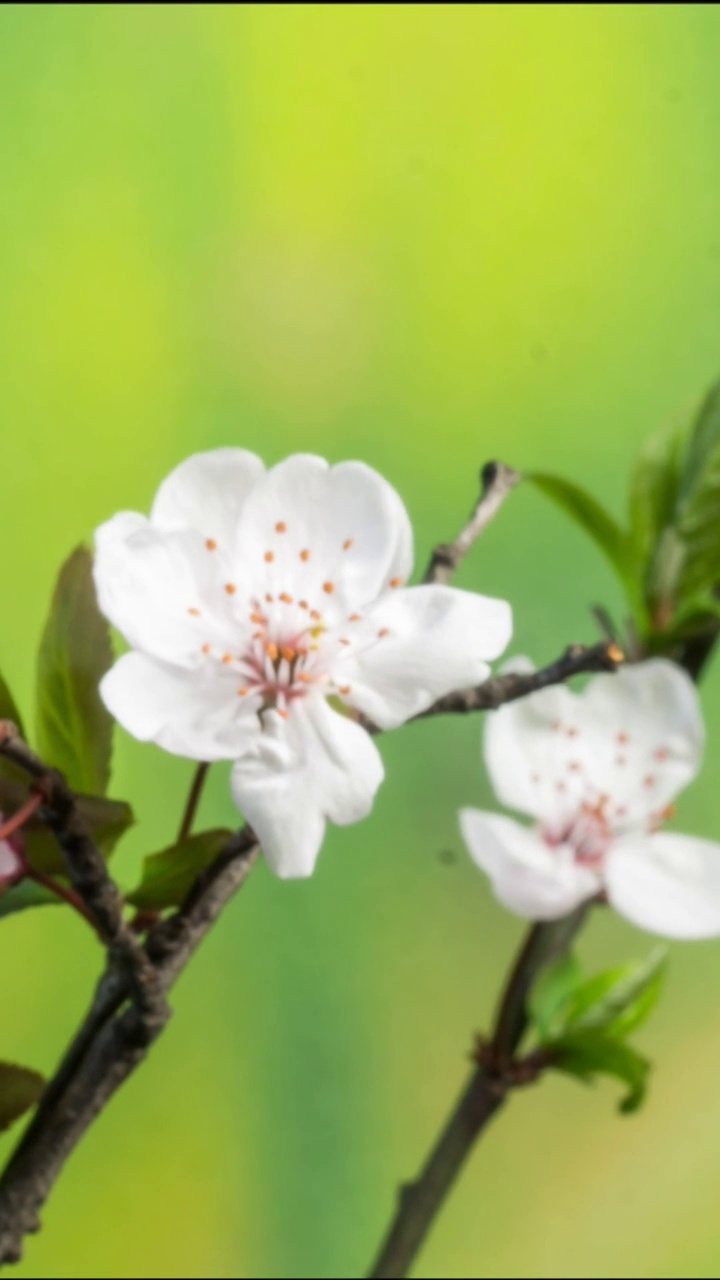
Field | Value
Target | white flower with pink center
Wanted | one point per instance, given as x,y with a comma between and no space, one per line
598,771
250,597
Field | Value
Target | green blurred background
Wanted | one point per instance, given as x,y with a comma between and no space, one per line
424,237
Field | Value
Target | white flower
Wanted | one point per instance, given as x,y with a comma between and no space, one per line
12,864
248,598
598,771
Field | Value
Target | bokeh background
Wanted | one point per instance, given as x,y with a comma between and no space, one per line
423,236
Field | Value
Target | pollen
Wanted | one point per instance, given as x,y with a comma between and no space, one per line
314,614
343,640
258,619
227,659
195,613
230,588
286,599
268,598
281,527
205,648
328,588
269,557
355,617
303,604
288,653
272,651
345,690
316,632
649,780
348,543
304,677
305,555
285,714
211,544
615,653
396,582
384,631
622,738
243,692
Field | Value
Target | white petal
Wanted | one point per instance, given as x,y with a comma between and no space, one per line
668,884
313,525
647,735
206,492
635,737
317,765
527,876
193,713
162,590
435,639
10,864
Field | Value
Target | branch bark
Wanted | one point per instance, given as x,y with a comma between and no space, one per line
497,482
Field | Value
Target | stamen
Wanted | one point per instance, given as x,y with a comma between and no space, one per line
316,632
355,617
396,582
622,738
227,659
258,619
348,543
286,599
574,766
303,604
383,632
314,614
304,677
242,692
272,651
572,733
649,780
269,557
195,613
328,588
305,555
281,527
345,690
285,714
268,598
206,648
211,544
662,753
344,641
288,653
230,588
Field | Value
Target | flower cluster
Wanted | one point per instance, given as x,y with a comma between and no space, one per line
270,623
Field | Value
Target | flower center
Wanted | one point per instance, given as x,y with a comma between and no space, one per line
589,833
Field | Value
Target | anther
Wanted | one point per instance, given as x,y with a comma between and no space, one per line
230,588
281,527
345,690
285,714
288,653
211,544
344,641
268,598
328,588
272,651
305,555
227,658
243,692
396,582
286,599
303,604
348,543
269,557
383,632
314,614
195,613
206,648
355,617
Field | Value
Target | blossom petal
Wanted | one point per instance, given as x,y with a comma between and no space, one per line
206,492
667,883
162,590
417,645
336,536
316,765
527,876
635,737
10,863
192,713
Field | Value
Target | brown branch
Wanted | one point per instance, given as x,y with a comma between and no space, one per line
485,1093
193,800
497,481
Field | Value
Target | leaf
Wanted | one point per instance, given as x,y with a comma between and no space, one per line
20,1089
107,821
596,520
26,894
586,1054
653,494
169,875
618,1001
696,517
74,731
551,992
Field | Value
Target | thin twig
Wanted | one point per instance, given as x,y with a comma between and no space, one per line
486,1091
497,482
193,800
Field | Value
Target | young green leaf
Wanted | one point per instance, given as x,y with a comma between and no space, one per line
596,520
697,513
586,1054
24,895
551,992
653,494
74,731
618,1001
20,1089
168,876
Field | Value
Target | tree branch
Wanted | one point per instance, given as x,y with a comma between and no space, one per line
485,1093
497,482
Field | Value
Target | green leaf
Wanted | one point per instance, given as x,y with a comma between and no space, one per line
74,731
551,992
169,875
107,821
20,1089
596,520
654,486
618,1001
26,894
586,1054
